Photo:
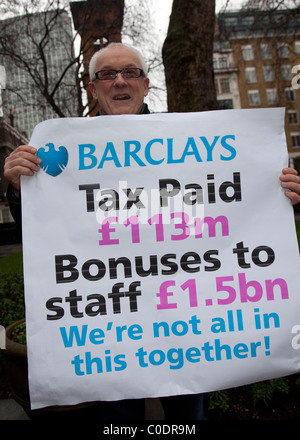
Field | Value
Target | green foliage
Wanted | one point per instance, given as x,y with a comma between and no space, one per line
298,231
19,333
297,383
11,264
219,400
12,306
265,391
258,393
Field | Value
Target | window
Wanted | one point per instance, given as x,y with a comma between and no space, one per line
223,62
269,73
248,20
224,85
272,96
247,52
5,216
289,94
295,139
293,117
231,21
250,73
283,50
253,96
265,51
225,104
286,72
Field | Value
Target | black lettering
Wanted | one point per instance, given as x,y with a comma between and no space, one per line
50,304
116,295
73,299
87,273
132,294
240,250
153,270
165,261
190,258
211,189
113,263
270,256
216,263
237,192
89,195
97,307
61,268
164,193
133,198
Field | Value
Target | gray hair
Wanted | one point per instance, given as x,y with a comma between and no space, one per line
96,55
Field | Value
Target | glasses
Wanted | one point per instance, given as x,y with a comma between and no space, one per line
131,72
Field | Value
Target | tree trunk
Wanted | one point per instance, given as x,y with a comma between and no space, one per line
188,56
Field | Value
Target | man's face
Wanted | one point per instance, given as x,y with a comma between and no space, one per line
119,96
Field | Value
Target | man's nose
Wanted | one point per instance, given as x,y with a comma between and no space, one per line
119,80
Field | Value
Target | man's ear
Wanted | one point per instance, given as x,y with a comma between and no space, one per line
146,87
92,89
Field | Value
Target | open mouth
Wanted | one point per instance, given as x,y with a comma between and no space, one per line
121,98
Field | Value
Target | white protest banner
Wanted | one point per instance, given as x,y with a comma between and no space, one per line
160,256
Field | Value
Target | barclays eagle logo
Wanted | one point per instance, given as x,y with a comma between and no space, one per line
53,161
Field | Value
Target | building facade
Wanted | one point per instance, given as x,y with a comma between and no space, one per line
226,76
37,53
265,47
36,50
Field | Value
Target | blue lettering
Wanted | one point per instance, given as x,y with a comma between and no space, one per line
209,148
76,362
148,156
191,143
176,358
228,147
154,152
97,336
74,333
170,152
114,157
89,155
133,153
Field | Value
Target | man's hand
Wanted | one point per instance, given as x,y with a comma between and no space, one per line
291,181
23,161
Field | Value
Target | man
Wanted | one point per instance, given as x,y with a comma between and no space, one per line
119,93
119,82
